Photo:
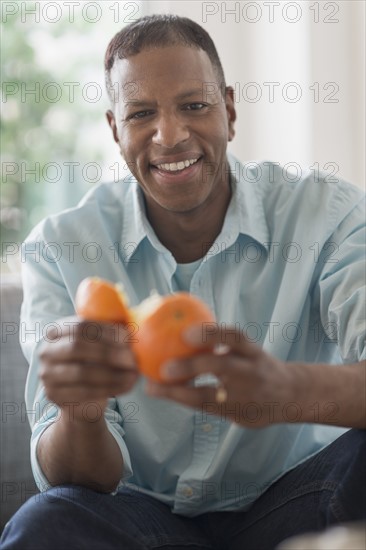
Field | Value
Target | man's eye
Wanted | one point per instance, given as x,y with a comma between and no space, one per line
140,114
195,106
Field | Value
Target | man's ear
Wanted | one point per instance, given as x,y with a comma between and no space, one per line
230,109
112,123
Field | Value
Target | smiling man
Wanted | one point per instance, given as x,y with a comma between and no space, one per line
239,448
177,162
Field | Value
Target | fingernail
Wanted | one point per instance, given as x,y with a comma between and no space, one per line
193,335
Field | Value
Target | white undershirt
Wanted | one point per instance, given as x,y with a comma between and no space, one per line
183,275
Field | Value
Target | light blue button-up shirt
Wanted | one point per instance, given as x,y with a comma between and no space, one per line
287,269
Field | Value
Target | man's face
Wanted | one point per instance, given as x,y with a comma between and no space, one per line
172,125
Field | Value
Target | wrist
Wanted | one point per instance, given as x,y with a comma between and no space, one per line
329,394
88,415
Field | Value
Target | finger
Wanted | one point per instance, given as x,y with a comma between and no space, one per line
78,394
222,363
100,352
214,335
183,370
201,398
63,397
78,329
71,374
58,391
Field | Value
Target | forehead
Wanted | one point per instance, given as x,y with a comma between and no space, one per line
173,68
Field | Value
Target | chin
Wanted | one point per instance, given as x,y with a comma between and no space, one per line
182,208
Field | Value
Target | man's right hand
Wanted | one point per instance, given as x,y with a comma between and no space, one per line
84,362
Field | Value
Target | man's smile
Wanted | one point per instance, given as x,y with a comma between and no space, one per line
176,172
176,166
176,161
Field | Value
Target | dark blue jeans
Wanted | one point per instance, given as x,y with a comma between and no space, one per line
327,489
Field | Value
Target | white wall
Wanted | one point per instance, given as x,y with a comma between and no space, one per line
318,46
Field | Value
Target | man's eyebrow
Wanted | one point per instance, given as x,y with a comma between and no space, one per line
135,103
189,93
145,102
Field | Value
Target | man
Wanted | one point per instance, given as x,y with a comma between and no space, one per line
266,454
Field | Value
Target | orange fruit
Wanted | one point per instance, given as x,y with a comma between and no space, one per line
161,322
99,300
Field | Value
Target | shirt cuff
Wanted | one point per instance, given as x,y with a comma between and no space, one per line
40,479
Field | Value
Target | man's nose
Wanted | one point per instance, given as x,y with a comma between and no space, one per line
170,130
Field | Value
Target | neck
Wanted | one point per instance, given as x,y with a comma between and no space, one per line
189,235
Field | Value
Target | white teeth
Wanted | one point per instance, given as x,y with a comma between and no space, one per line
175,166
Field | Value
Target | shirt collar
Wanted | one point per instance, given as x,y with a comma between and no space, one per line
245,214
136,227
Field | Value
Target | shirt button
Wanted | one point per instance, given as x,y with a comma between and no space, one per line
187,491
207,427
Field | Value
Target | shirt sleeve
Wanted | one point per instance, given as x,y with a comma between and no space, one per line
47,299
342,286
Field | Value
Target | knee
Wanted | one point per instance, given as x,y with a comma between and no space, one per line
351,444
361,437
38,523
357,442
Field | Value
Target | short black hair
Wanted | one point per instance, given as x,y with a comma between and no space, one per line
154,31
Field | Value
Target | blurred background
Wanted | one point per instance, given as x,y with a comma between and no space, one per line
297,69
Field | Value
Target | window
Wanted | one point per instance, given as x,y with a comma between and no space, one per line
56,142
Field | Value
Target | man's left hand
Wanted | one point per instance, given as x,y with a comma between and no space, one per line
257,386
